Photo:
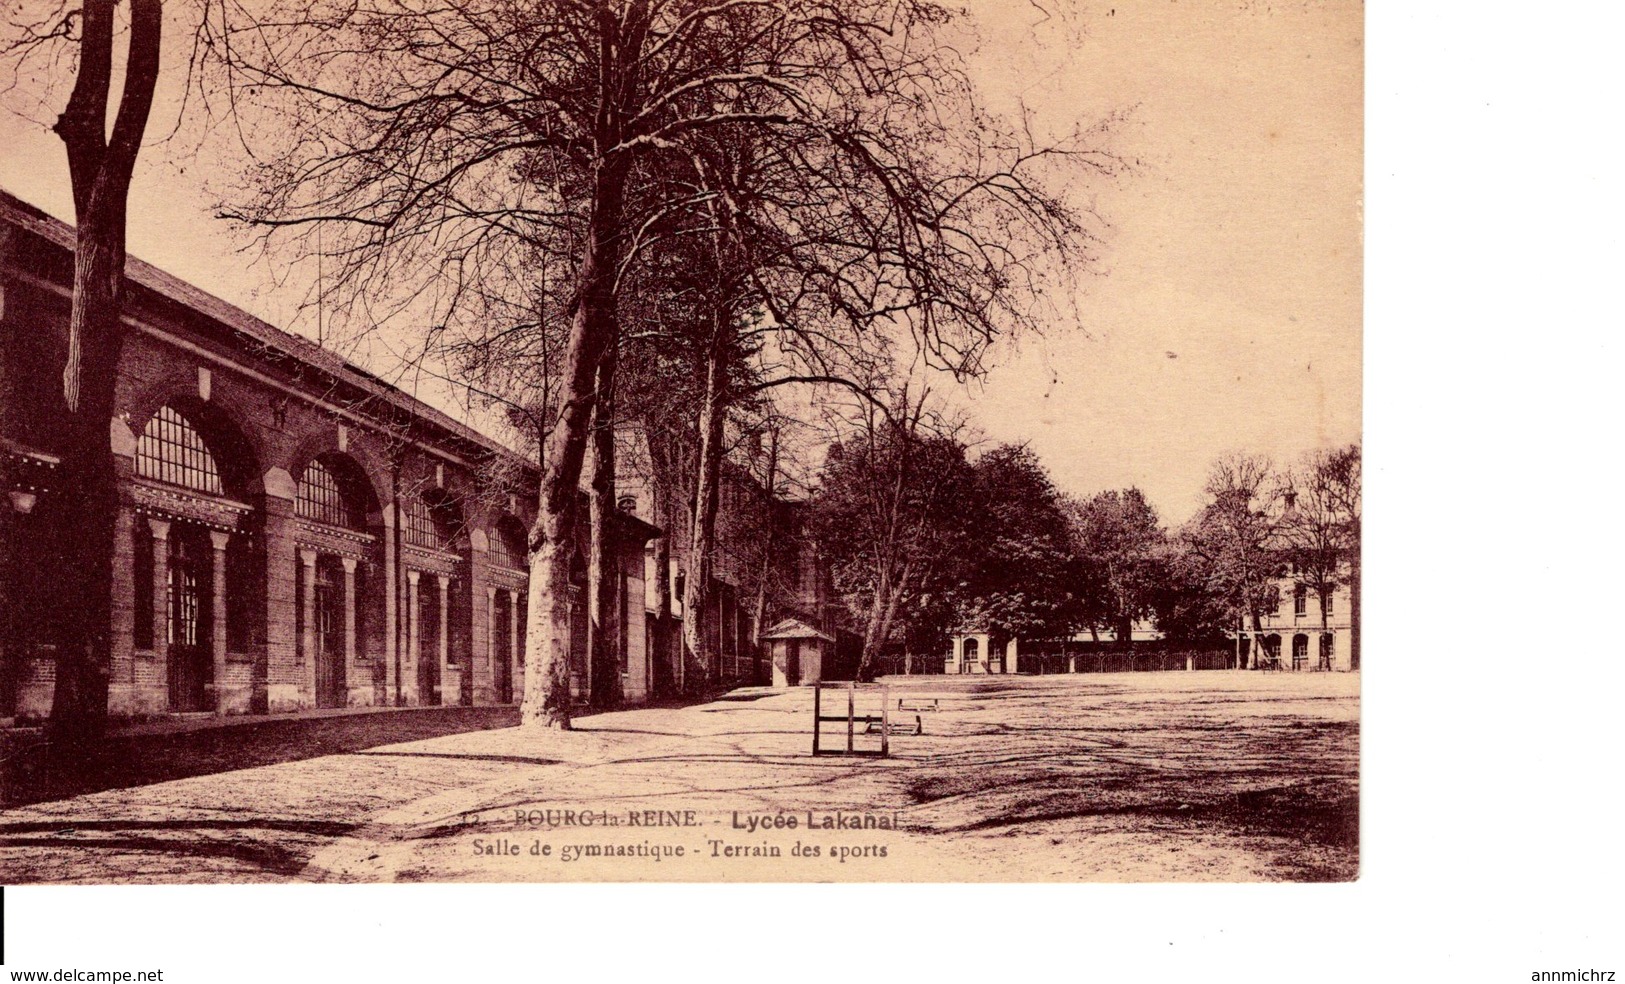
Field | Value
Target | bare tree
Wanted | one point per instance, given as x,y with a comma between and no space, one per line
429,136
1312,531
101,162
1236,533
1327,528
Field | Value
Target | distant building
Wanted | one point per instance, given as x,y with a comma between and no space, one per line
1295,636
985,652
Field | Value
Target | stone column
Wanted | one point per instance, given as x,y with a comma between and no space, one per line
516,651
349,622
414,636
218,610
444,645
307,600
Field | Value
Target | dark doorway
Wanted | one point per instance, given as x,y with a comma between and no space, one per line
792,662
190,618
502,647
428,653
331,689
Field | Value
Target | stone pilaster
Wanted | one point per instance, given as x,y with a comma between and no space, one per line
351,671
282,672
516,648
450,683
414,638
157,685
218,608
479,668
307,642
390,588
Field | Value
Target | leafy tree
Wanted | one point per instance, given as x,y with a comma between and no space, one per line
1189,598
1021,583
1118,542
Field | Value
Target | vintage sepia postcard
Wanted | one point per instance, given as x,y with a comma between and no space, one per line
680,441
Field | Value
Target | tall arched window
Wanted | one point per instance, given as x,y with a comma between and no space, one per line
421,528
508,545
323,500
171,450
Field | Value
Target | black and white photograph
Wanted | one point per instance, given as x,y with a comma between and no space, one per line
686,441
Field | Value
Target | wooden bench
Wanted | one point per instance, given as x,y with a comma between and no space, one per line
875,725
918,704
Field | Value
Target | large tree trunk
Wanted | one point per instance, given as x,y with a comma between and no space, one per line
603,558
877,630
874,625
100,167
702,534
1123,628
592,331
759,610
665,669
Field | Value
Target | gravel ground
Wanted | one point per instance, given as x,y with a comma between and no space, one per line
1208,776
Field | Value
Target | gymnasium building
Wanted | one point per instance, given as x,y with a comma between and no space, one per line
293,532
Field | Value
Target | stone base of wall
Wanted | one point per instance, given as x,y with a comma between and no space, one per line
281,698
36,688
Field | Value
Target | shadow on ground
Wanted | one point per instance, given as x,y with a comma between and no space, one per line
126,761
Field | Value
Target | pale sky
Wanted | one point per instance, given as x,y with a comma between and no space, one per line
1226,315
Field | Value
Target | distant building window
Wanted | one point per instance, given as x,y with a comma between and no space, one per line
1300,601
321,499
172,451
972,648
1326,602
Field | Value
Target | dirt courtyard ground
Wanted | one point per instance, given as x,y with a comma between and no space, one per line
1206,776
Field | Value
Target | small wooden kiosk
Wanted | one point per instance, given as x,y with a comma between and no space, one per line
800,653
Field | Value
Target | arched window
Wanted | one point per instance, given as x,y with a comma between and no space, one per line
421,528
171,450
971,649
322,499
508,545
